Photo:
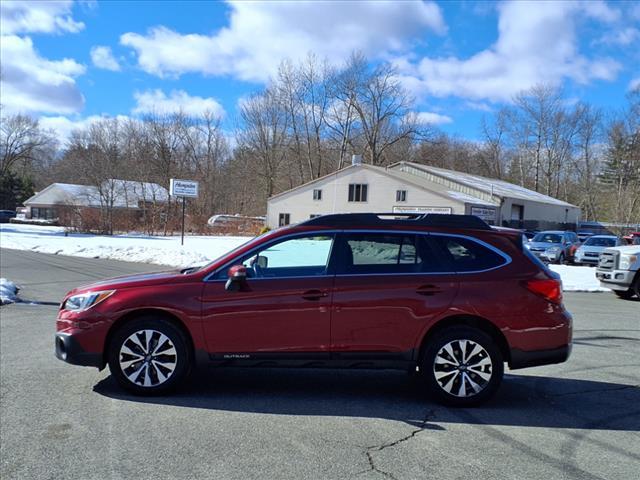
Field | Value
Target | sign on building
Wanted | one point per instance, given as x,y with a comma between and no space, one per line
183,188
425,210
486,214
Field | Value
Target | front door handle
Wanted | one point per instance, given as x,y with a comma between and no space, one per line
314,294
428,290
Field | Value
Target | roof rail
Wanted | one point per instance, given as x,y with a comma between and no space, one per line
420,219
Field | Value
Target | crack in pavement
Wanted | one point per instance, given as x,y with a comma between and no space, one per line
378,448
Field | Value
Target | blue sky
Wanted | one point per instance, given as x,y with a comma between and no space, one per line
69,63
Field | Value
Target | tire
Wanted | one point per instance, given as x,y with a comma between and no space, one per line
141,373
624,294
460,383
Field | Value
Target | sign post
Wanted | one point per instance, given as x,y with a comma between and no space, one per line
185,189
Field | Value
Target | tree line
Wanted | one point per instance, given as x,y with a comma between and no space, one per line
310,119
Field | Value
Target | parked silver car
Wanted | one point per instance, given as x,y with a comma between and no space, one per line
554,246
590,250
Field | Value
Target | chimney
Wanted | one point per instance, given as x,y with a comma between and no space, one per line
356,159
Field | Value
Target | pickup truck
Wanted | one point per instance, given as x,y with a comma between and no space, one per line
619,270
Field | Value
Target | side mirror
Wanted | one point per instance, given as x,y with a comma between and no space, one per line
237,278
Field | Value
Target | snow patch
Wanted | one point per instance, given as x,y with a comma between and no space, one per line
8,292
578,279
130,248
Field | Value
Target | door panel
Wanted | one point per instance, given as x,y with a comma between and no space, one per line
284,305
388,288
272,315
387,313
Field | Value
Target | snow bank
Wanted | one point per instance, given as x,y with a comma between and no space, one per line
578,279
8,292
129,248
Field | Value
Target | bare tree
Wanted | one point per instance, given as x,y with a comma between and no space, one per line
22,142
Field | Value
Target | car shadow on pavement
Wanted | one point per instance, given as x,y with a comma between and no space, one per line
529,401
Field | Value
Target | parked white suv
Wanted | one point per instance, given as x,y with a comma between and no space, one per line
619,270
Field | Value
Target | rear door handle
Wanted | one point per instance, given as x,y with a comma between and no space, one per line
428,290
314,294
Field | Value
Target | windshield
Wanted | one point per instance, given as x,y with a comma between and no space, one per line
230,252
548,238
600,242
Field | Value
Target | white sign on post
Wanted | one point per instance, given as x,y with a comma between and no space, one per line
183,188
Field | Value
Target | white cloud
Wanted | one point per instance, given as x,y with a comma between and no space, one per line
102,57
156,101
622,37
536,44
634,83
37,16
261,34
31,83
65,126
431,118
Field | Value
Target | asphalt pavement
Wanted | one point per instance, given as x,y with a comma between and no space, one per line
577,420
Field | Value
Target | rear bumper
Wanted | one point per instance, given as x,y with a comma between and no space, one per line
69,350
523,359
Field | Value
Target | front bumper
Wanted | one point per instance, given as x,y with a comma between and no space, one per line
523,359
616,279
70,351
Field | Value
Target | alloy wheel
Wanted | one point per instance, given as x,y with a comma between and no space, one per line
148,358
463,368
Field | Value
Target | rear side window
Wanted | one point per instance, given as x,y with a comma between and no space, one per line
466,255
379,253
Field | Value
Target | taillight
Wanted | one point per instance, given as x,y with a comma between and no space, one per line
549,289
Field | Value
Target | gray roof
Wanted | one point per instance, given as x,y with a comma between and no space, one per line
120,193
405,177
491,186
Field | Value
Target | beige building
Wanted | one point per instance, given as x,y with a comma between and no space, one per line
408,187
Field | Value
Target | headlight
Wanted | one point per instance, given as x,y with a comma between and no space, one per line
626,261
85,301
553,250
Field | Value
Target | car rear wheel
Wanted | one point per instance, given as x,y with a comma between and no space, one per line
462,366
149,356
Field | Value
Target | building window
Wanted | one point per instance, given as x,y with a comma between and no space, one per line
314,215
357,192
41,213
317,194
401,195
284,219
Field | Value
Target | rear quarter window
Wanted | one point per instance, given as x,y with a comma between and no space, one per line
467,255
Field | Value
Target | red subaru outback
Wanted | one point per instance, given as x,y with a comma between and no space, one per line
446,294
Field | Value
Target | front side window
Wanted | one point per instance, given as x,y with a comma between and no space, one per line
466,255
284,219
358,192
296,257
401,195
317,194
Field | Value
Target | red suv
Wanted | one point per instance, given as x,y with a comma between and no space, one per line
445,294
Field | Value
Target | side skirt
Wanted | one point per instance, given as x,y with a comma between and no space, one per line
363,360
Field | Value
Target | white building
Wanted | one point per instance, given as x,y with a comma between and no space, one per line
409,187
114,193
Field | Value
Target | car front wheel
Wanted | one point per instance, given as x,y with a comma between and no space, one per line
462,366
149,356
